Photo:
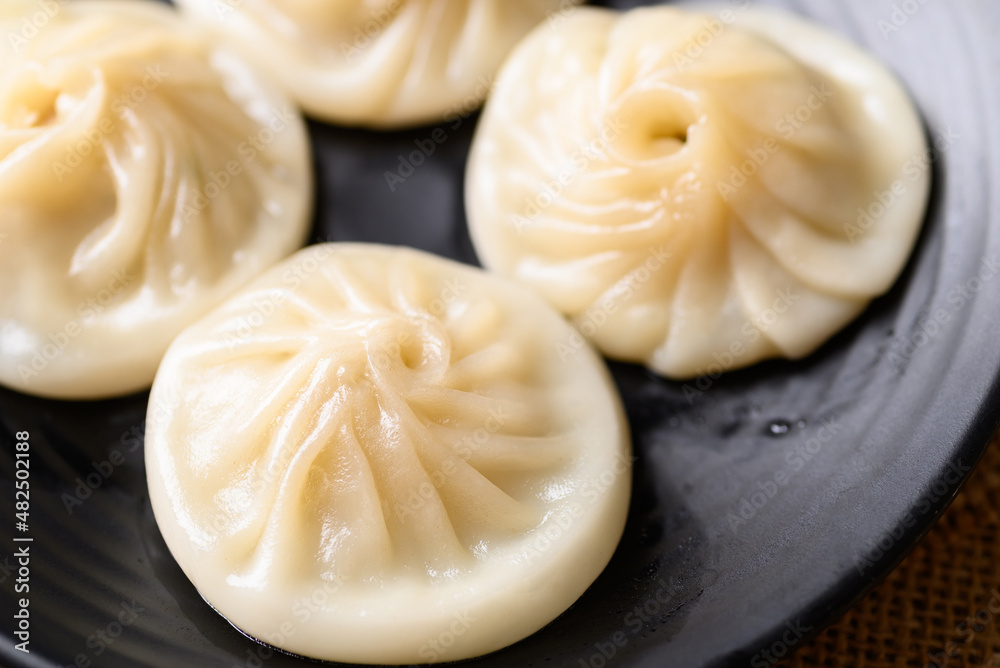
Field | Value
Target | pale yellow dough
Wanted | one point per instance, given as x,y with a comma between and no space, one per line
145,174
698,192
379,63
374,455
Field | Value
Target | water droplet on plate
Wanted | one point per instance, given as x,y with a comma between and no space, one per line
778,428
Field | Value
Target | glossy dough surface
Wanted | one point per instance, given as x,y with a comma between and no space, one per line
144,175
388,440
698,193
380,63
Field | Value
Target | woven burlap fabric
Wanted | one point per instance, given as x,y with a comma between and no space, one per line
938,602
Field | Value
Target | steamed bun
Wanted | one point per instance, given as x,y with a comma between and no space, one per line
698,192
389,437
144,175
379,63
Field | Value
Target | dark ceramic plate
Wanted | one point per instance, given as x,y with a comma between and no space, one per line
766,501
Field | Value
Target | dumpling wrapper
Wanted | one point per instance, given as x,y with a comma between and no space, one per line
388,440
698,192
145,174
379,63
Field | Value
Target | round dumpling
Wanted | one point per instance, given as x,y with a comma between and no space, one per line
384,451
379,63
144,176
698,192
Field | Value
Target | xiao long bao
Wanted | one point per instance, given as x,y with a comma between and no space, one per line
698,191
389,436
144,175
380,63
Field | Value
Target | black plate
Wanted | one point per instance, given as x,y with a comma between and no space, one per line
872,436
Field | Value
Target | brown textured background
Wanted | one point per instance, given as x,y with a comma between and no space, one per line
920,613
